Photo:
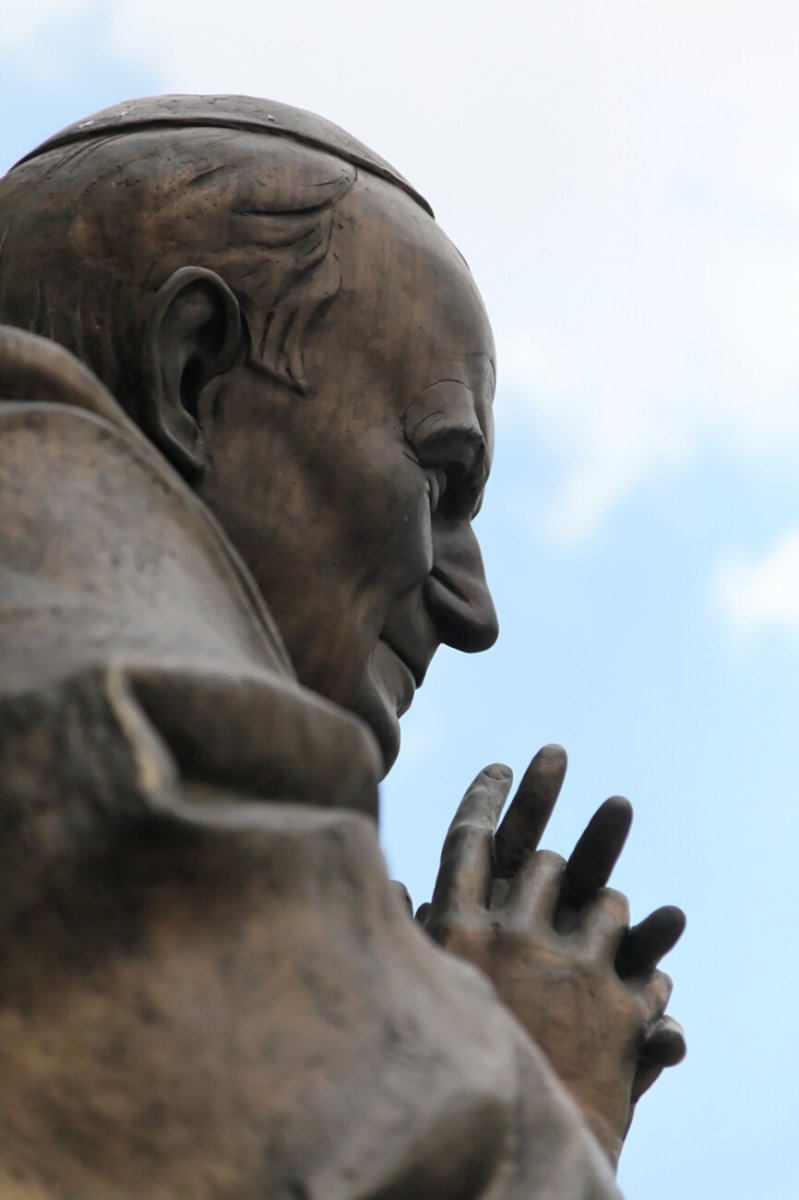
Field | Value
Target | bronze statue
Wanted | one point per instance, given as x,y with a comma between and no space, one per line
245,423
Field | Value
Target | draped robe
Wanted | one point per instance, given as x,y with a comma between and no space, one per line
208,988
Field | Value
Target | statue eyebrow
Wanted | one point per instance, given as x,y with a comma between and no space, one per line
451,439
435,449
471,434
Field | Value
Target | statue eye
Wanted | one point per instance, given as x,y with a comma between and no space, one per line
436,485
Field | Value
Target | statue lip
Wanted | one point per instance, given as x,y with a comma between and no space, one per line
417,668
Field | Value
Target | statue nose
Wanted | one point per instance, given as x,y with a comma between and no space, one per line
457,594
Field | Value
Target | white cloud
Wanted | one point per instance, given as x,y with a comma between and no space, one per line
23,30
22,22
755,592
623,178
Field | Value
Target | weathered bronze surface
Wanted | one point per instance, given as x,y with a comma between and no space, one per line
245,422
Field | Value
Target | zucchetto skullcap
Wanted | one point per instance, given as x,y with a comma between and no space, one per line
229,112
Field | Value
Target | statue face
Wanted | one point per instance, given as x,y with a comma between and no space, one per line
352,505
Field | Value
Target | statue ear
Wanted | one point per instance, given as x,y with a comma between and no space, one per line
193,333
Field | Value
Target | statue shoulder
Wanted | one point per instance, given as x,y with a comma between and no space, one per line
124,608
34,368
95,521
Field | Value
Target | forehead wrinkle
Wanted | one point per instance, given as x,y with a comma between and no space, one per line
444,379
468,358
469,384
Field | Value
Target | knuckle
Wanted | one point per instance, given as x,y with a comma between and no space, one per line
467,825
617,903
453,929
462,856
656,991
665,985
550,859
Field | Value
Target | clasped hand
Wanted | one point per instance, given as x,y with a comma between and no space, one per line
556,941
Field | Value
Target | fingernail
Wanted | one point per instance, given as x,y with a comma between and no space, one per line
497,771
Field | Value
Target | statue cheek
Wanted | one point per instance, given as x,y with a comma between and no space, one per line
414,552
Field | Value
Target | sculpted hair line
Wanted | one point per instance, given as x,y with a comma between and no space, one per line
257,209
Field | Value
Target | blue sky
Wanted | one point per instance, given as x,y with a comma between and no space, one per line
624,181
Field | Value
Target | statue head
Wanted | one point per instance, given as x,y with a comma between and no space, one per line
280,313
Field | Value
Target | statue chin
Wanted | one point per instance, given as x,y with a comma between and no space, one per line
388,693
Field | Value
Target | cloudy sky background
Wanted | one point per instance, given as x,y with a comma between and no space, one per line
624,180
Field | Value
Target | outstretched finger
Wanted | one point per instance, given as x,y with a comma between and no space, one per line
464,878
643,946
663,1047
593,858
530,809
534,890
